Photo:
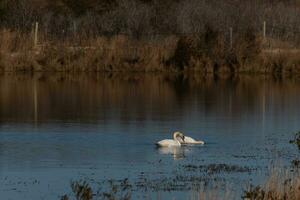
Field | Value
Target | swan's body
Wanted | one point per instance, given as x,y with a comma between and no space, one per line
177,137
168,143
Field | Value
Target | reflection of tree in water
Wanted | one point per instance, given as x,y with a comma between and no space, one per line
181,86
138,97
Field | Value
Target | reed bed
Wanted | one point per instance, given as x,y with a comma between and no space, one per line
207,53
280,185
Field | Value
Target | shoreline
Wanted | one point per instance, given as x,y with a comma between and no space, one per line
173,54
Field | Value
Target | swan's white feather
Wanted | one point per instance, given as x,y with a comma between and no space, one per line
168,143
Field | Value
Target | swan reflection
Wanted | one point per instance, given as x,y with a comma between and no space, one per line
176,152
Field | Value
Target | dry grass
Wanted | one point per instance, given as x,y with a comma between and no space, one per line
207,52
117,53
280,185
282,62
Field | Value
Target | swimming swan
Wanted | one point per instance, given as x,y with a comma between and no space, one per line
177,137
189,140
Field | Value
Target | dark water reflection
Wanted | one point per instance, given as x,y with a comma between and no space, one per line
88,98
58,127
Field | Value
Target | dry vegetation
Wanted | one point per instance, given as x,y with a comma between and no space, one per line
150,35
280,185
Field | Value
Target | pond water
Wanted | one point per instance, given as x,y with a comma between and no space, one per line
58,128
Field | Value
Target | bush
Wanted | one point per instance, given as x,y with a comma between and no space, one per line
207,51
247,47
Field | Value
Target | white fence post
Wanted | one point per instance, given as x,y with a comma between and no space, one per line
36,30
74,27
230,29
264,30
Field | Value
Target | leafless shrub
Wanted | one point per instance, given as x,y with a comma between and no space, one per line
62,19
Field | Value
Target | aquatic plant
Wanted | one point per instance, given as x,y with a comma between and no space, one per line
116,190
296,163
218,168
296,140
279,185
121,191
254,193
82,190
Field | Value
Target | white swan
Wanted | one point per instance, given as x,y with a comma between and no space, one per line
177,137
189,140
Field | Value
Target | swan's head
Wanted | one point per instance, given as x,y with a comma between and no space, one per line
178,136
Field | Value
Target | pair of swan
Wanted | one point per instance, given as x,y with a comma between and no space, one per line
178,140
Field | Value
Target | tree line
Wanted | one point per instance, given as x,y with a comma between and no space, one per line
149,18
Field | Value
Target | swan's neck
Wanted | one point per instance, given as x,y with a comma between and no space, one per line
176,139
175,136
